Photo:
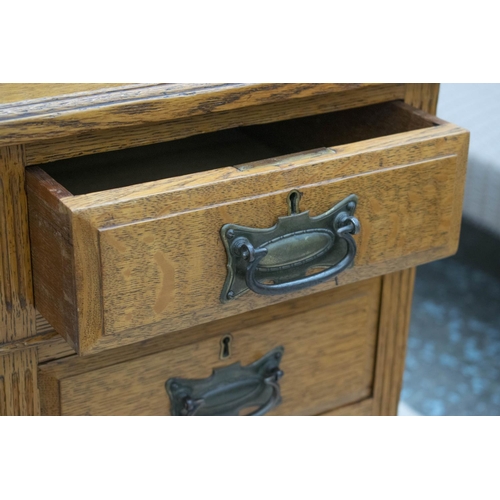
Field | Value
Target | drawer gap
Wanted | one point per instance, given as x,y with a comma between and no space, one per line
232,147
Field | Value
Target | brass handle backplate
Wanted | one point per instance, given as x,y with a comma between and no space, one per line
279,259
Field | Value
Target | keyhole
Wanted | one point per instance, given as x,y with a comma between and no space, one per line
293,202
225,347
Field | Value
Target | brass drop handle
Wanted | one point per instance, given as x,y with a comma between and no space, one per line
191,407
230,389
279,259
348,225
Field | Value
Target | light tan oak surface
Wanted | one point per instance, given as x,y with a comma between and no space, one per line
328,362
126,189
34,112
17,314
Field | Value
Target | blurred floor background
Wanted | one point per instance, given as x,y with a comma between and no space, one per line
453,357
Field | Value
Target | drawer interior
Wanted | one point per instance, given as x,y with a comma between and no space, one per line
233,147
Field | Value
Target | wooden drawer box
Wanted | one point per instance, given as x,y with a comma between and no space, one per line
126,246
328,361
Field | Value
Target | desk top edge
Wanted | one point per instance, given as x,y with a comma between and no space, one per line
34,112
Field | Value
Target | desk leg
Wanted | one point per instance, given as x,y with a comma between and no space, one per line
18,395
394,323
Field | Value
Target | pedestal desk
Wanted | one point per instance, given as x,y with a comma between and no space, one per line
217,249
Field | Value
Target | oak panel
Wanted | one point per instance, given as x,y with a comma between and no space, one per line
328,362
169,270
48,345
17,313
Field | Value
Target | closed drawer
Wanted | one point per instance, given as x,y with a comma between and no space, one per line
127,246
328,359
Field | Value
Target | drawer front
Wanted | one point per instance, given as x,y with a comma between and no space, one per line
328,362
148,259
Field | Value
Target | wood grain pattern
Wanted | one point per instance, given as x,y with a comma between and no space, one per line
145,279
395,309
52,251
61,116
250,319
110,140
42,325
166,199
18,384
22,92
423,96
328,362
360,409
17,314
49,346
147,288
395,312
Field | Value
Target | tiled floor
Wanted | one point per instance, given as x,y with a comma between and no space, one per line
453,359
406,411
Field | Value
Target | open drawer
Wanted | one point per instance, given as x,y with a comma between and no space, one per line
133,244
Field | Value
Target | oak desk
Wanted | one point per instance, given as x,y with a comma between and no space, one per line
200,249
